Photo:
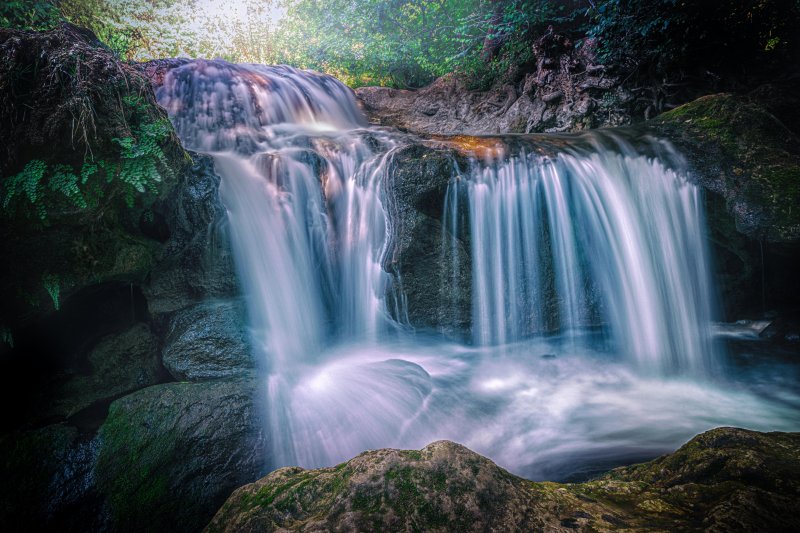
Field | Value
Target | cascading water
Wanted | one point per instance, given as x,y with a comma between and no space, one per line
592,235
302,196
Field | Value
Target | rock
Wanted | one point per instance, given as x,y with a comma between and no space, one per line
782,329
196,262
565,91
208,341
724,479
749,164
118,364
64,95
746,155
433,295
171,454
48,480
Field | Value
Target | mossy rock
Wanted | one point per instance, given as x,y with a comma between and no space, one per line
745,154
725,478
170,454
66,102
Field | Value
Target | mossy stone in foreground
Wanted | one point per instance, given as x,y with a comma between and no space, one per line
725,479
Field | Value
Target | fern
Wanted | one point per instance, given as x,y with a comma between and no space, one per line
6,336
52,284
139,169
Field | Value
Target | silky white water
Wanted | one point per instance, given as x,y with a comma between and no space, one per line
619,236
592,299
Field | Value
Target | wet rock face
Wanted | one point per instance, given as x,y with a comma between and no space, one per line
745,154
196,262
435,297
725,478
748,162
208,341
566,90
171,454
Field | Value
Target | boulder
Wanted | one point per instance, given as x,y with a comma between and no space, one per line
48,480
725,479
66,100
208,341
170,454
118,364
748,163
743,153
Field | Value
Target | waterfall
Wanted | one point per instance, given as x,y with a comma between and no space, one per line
302,192
593,235
592,299
301,186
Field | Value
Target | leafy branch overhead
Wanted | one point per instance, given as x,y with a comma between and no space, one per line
408,43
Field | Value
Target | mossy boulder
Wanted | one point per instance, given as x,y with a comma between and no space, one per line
171,454
748,162
723,480
105,152
745,154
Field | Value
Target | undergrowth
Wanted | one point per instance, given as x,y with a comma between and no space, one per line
41,189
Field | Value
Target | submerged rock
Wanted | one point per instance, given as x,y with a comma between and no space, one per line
722,480
208,341
171,454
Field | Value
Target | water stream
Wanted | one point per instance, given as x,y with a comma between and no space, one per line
592,296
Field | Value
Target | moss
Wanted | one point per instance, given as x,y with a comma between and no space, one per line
758,155
69,108
166,452
441,492
131,467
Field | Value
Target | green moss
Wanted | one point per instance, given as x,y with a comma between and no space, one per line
130,467
759,156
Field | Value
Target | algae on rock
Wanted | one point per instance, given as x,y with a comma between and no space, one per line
722,479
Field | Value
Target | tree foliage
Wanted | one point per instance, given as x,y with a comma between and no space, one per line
667,35
408,43
28,15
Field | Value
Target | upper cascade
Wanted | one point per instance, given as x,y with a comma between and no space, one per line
218,106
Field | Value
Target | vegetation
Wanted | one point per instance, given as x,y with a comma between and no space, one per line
408,43
28,15
41,188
